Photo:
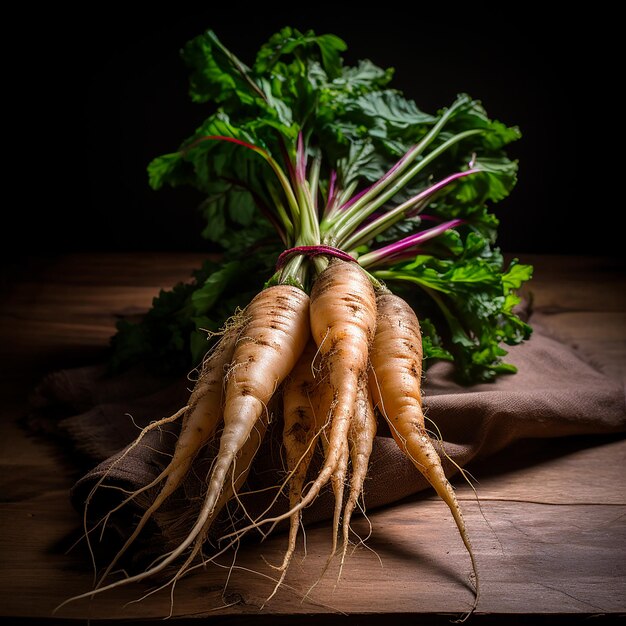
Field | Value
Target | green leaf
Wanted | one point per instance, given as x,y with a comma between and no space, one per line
471,114
330,47
362,78
167,168
290,41
389,109
207,295
216,74
214,214
362,162
431,342
494,181
431,351
401,229
516,275
390,106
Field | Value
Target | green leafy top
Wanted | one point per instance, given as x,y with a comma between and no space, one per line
304,150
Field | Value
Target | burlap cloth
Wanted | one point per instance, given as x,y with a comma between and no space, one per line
555,393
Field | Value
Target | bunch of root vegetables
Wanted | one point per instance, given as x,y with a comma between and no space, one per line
373,210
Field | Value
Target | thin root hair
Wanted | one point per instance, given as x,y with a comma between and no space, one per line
132,446
259,520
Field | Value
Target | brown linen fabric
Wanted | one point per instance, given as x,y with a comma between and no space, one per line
555,393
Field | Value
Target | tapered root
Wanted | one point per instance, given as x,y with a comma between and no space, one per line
200,420
395,384
362,434
303,422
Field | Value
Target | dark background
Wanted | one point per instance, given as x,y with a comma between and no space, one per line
100,93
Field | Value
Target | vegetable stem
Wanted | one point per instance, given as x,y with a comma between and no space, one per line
364,234
372,258
400,166
349,221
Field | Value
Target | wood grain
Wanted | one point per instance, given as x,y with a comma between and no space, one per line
549,534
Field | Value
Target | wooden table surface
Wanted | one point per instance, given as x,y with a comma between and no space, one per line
549,535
